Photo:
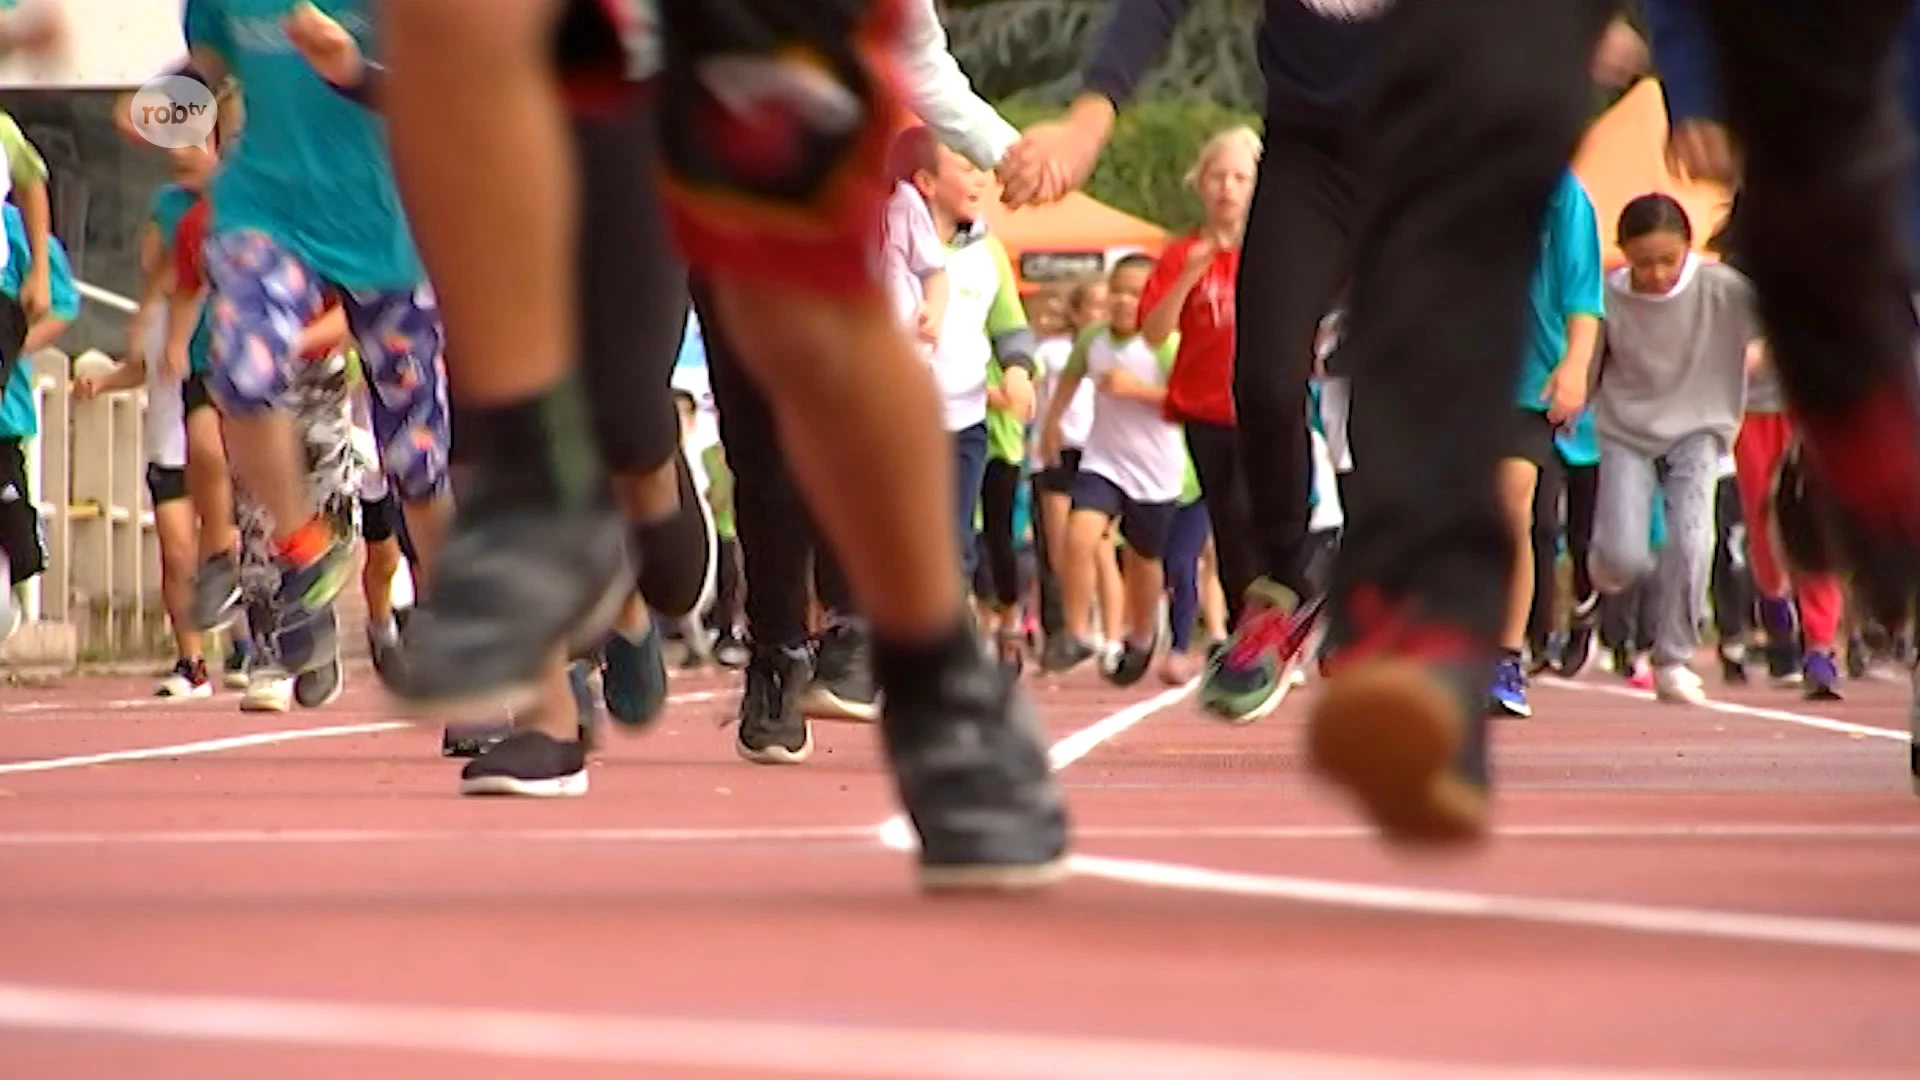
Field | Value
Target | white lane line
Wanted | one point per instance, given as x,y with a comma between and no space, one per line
279,837
1601,915
641,837
241,742
789,1049
897,834
1083,742
204,746
200,706
1734,708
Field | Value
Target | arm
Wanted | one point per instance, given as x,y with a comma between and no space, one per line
1180,268
1121,384
153,288
933,305
1070,377
1683,54
324,334
1574,245
1012,339
1133,40
29,173
941,95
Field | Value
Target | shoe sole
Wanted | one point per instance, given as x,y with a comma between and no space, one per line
332,695
268,706
522,695
1387,734
819,703
229,614
1020,877
571,786
776,755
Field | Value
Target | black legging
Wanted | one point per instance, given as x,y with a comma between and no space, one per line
1731,585
1215,451
998,488
1300,232
1581,486
777,536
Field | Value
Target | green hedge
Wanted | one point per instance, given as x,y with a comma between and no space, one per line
1153,145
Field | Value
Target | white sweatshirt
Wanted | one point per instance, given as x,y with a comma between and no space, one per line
940,94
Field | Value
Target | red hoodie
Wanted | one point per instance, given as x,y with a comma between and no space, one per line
1201,386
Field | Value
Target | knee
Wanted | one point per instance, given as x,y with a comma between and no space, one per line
1617,571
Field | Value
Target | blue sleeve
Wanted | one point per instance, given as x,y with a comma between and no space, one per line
1683,54
206,29
1133,40
1576,252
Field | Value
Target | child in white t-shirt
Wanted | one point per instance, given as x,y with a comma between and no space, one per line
1132,471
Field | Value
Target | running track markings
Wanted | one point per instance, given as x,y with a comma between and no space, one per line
197,706
1734,708
641,837
241,742
1640,918
802,1049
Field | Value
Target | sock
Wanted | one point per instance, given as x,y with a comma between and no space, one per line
539,449
306,544
906,670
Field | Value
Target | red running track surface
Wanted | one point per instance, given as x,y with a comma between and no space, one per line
1675,891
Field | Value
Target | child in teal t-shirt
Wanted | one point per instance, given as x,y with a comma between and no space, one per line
22,546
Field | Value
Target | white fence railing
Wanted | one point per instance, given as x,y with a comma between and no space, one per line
87,471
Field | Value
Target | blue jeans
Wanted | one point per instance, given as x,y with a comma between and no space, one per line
969,468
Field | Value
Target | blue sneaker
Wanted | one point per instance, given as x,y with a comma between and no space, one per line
1510,689
1820,676
634,682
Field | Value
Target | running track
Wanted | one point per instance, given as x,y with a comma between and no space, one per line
1676,891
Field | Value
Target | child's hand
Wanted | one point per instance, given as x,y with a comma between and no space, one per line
928,329
1200,254
86,387
1565,396
1050,447
326,45
173,363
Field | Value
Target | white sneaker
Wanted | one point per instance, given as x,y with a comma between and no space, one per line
1678,683
268,690
186,680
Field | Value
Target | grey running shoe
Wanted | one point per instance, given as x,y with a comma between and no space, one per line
517,587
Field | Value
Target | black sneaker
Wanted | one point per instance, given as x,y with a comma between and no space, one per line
1733,664
731,651
1133,663
322,686
971,769
1063,654
528,763
634,681
516,585
773,728
216,593
842,686
1578,651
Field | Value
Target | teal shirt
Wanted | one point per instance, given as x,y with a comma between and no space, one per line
18,419
1567,281
1579,444
171,203
310,168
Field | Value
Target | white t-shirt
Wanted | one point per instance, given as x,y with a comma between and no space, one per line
1131,442
166,420
1050,357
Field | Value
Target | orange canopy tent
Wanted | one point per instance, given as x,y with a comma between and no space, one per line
1624,156
1077,235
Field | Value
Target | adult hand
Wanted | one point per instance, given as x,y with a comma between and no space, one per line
1054,158
1702,150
